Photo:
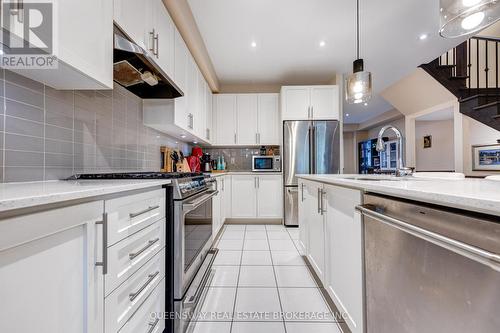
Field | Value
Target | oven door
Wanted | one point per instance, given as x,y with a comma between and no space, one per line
193,238
262,163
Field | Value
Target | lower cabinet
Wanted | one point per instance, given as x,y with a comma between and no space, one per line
330,236
256,196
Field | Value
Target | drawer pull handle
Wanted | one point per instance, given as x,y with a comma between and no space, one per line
132,215
151,277
150,243
152,325
104,262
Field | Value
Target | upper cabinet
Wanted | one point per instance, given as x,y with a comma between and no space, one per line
164,38
84,49
247,119
310,102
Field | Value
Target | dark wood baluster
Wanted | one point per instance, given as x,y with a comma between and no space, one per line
454,62
477,65
486,69
469,63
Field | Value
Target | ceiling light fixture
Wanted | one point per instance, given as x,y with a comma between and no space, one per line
254,44
465,17
366,104
359,83
423,36
347,114
322,43
183,136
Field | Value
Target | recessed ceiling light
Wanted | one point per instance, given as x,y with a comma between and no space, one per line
176,142
157,136
423,36
322,43
366,104
183,136
195,142
347,114
254,44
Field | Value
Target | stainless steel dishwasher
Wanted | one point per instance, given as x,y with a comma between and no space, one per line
429,269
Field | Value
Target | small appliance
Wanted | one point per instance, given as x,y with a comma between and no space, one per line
266,163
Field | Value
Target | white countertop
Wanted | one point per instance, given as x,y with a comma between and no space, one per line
31,194
477,195
217,174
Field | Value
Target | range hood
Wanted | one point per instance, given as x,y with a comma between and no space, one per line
136,70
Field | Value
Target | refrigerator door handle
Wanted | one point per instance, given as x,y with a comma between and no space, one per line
313,149
310,136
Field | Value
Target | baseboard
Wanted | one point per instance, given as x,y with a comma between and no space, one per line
254,221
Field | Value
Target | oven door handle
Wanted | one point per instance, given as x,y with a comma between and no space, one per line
192,205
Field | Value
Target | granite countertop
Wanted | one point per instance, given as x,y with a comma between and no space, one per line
31,194
478,195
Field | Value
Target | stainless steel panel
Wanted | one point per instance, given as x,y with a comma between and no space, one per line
295,150
291,206
418,285
326,154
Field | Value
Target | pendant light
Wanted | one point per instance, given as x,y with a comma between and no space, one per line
359,83
464,17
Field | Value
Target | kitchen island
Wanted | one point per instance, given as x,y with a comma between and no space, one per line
374,240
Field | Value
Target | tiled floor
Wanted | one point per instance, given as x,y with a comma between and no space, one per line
262,284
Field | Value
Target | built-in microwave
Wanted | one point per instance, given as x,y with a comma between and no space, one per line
266,163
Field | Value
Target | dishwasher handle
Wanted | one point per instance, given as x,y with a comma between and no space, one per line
472,252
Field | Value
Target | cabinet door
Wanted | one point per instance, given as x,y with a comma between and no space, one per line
201,114
226,198
135,19
243,196
325,102
304,200
295,103
246,118
182,118
270,196
268,118
209,132
343,234
216,209
225,113
192,92
49,280
165,37
316,229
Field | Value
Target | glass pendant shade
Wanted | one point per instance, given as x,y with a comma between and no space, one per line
358,85
464,17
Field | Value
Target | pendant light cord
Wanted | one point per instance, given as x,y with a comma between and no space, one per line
357,28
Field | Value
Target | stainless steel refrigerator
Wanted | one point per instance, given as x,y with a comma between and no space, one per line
309,147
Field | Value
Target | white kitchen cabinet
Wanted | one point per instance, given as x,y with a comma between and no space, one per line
84,48
216,209
225,115
49,280
226,198
201,110
270,196
210,114
243,196
310,102
135,19
303,215
192,93
269,127
343,235
246,118
255,119
165,37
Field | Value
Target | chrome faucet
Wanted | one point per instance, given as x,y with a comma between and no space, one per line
401,170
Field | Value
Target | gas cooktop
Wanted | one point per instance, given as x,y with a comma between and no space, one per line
136,175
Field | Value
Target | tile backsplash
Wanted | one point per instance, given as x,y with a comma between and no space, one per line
238,158
48,134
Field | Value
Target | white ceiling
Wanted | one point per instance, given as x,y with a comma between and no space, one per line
288,32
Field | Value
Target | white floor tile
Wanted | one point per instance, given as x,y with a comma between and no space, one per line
226,276
209,327
227,258
282,245
233,227
254,234
270,227
233,234
294,233
276,234
304,304
259,258
256,227
257,276
294,276
256,245
287,258
257,304
312,327
218,305
260,327
230,244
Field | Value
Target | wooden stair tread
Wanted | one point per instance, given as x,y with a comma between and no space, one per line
496,117
468,98
446,66
487,105
464,77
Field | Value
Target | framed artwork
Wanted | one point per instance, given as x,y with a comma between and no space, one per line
428,141
486,157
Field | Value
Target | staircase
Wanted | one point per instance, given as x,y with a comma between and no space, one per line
470,71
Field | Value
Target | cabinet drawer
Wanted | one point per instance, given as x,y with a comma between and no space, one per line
128,255
122,303
143,320
127,215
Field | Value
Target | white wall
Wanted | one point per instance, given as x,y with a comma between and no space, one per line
440,156
399,123
350,155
